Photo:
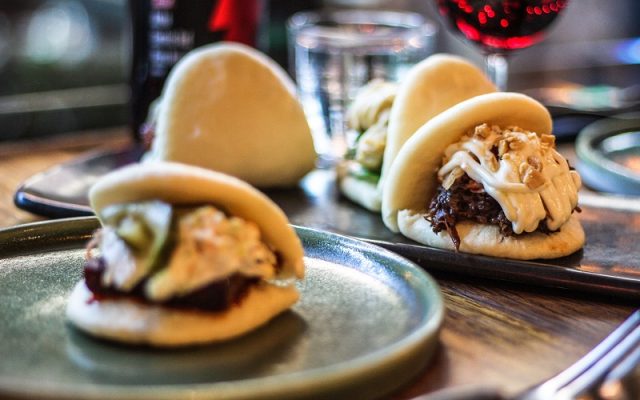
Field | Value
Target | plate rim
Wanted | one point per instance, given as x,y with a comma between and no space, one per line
423,337
592,163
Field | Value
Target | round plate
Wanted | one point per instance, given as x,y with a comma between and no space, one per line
367,322
609,154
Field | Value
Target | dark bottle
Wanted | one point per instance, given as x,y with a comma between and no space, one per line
165,30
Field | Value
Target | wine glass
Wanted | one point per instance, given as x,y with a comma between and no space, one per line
499,27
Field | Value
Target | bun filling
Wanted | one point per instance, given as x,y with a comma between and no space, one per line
186,258
508,177
215,296
368,119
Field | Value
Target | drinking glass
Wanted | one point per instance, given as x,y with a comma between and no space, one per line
500,27
334,53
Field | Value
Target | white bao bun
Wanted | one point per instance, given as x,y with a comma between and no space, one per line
412,181
230,108
179,184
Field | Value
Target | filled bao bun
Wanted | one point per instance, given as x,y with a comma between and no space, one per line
414,179
183,187
229,108
430,87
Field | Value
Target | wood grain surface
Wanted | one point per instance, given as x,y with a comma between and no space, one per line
496,334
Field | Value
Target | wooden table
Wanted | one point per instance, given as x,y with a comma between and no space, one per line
495,334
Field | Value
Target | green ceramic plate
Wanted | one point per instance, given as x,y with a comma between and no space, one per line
367,322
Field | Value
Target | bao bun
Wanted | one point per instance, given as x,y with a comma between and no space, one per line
430,87
136,323
229,108
179,184
412,181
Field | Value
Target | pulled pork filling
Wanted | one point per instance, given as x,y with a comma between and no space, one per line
147,135
504,176
467,200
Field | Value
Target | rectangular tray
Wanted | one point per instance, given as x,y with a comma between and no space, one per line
609,264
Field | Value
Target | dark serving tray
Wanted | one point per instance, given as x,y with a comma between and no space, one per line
609,263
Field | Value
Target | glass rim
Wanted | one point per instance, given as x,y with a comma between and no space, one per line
411,21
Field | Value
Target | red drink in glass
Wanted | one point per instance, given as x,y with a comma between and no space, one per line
500,26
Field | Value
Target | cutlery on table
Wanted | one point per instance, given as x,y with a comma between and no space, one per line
609,372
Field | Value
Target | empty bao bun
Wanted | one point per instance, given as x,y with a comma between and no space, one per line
412,182
430,87
131,321
229,108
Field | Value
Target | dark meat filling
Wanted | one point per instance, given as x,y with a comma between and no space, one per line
147,135
467,200
216,296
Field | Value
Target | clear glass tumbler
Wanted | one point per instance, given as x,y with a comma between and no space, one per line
334,53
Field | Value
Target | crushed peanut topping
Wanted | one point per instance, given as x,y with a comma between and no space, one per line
521,169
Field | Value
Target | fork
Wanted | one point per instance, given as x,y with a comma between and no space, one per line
608,372
609,362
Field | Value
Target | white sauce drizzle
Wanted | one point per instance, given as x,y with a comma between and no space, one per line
525,205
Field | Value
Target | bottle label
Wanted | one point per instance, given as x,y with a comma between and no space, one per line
172,32
166,30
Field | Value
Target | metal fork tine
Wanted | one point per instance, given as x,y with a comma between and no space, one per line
598,372
615,357
625,367
623,382
591,369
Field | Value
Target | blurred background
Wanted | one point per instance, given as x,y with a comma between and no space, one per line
64,64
